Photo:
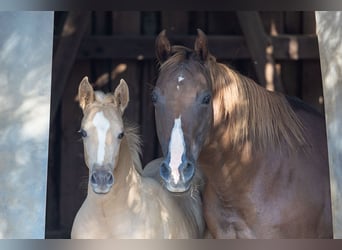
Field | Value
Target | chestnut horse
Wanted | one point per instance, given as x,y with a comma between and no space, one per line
121,203
264,155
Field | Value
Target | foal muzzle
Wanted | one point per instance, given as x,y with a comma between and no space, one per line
101,181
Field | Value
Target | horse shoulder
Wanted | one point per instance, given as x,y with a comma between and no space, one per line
87,224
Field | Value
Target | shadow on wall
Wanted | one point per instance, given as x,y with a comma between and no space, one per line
329,31
25,83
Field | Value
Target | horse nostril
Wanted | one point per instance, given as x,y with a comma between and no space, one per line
93,179
109,179
188,170
165,170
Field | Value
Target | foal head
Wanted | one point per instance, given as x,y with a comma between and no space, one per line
102,130
183,110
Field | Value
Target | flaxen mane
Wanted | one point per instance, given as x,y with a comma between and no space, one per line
251,113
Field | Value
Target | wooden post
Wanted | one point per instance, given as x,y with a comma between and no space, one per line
261,49
64,58
329,31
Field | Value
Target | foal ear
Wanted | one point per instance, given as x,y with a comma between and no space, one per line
85,93
163,47
121,95
201,45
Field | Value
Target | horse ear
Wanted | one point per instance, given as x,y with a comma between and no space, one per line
85,93
121,95
201,45
163,47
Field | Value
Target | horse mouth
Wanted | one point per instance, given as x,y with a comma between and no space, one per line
101,190
178,188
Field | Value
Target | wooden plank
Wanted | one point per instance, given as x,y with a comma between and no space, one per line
150,22
198,19
73,171
273,22
329,34
292,22
220,22
291,70
133,47
65,55
312,89
261,49
147,124
176,22
132,71
101,66
121,25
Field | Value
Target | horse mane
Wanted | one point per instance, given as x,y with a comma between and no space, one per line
253,113
249,111
133,143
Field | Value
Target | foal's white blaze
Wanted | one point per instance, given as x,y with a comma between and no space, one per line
102,125
180,78
176,148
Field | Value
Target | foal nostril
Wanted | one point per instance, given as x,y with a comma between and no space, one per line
109,179
165,170
93,179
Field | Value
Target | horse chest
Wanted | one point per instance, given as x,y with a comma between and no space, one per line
224,216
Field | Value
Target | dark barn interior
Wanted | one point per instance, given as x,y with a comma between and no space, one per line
107,46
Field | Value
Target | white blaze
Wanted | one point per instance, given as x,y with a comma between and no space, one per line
176,148
180,79
102,125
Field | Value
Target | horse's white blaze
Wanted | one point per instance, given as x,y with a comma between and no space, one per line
176,148
180,78
102,125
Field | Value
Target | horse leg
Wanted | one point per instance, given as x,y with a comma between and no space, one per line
218,227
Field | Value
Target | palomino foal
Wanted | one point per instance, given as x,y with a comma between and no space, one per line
120,202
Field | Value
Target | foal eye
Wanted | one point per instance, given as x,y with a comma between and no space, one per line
83,132
121,135
206,99
154,97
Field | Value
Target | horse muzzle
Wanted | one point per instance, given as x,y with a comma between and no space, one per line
177,180
101,181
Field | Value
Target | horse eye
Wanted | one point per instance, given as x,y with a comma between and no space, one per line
154,97
121,135
206,99
83,132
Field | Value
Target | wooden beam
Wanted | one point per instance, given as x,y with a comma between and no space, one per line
133,47
261,49
65,54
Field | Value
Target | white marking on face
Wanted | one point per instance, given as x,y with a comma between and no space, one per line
180,78
102,125
176,148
